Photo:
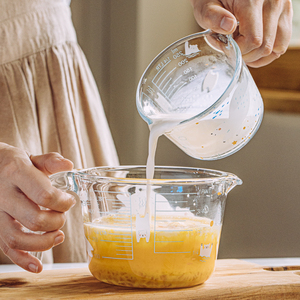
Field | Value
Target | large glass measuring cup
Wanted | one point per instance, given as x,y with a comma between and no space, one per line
177,249
202,83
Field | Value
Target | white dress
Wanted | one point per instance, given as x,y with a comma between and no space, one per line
49,100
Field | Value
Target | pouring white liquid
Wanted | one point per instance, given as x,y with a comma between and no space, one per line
160,125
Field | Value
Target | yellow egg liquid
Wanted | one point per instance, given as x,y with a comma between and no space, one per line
181,252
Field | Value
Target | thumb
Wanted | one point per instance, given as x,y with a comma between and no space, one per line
51,163
211,14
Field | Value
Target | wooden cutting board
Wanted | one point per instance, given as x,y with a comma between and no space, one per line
232,279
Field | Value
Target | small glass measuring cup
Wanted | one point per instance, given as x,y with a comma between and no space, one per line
177,248
202,83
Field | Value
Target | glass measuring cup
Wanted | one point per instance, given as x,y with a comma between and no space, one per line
178,248
202,83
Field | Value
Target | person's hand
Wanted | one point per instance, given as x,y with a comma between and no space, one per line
24,186
265,26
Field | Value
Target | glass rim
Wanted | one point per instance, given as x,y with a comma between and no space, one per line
216,176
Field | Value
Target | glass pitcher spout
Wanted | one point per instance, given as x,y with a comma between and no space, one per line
231,182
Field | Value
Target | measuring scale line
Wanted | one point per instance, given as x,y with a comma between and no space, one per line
175,201
118,257
172,211
166,76
167,252
167,83
121,223
124,250
113,226
169,241
173,230
180,87
124,211
110,193
173,83
160,71
173,221
160,77
162,93
123,234
123,239
121,220
113,241
179,193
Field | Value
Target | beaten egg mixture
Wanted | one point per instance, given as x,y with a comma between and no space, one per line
180,252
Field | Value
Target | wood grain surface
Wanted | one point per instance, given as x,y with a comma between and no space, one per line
232,279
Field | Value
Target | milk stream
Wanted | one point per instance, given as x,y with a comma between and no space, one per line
157,128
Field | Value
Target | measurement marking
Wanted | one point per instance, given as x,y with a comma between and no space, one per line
176,201
111,192
169,241
160,77
172,230
173,83
171,252
172,193
166,83
124,218
110,199
162,93
120,221
174,87
113,226
122,214
154,235
167,76
124,200
180,87
128,234
146,96
117,257
108,241
161,70
171,211
168,221
125,221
